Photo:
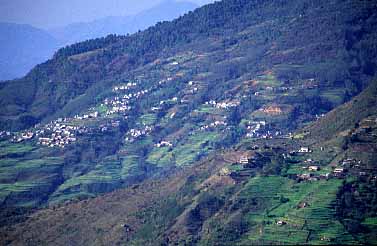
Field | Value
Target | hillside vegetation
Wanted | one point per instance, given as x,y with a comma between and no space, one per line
211,129
219,201
348,115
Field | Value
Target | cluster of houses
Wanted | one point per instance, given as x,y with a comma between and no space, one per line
57,133
164,81
254,128
174,100
124,87
336,173
109,125
60,136
120,104
194,87
257,129
5,134
22,137
304,150
223,105
213,125
311,168
271,110
91,115
350,163
319,116
133,134
54,134
355,167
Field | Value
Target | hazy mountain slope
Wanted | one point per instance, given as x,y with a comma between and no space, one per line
283,36
118,110
22,47
165,11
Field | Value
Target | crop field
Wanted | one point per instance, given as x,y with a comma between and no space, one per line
282,201
147,119
268,80
335,96
15,149
186,151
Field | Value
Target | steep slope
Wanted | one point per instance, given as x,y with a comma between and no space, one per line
347,116
165,11
22,47
115,111
274,199
297,34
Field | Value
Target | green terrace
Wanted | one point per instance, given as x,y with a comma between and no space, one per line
293,213
186,151
19,149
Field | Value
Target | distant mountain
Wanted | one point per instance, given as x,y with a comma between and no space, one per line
166,11
22,47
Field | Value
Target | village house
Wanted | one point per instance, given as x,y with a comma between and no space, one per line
303,205
304,150
224,171
44,141
305,176
325,176
314,168
155,109
339,172
348,162
272,110
213,125
281,223
27,135
164,144
93,115
244,160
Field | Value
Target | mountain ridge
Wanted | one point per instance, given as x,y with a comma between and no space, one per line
13,49
121,25
17,65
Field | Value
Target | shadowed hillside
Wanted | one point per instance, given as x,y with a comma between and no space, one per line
348,115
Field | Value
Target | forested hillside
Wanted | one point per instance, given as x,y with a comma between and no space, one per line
209,129
296,33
